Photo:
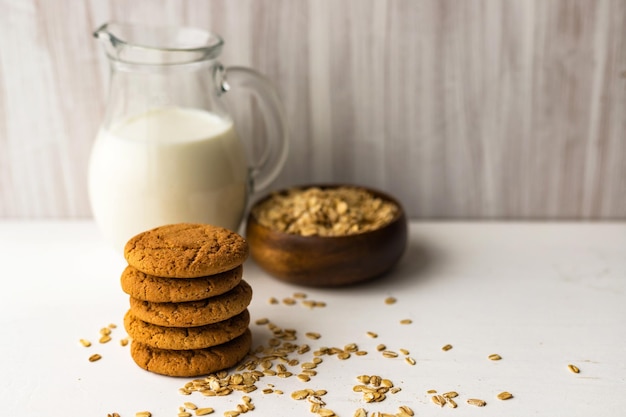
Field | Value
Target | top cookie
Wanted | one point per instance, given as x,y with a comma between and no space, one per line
186,250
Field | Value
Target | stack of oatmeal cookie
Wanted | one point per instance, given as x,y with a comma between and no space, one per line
188,302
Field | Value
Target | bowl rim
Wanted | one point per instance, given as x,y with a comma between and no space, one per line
400,214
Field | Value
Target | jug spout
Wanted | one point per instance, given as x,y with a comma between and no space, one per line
157,45
108,40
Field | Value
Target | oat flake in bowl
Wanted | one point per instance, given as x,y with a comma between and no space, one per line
317,211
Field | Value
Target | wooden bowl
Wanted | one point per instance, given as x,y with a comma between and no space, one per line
328,261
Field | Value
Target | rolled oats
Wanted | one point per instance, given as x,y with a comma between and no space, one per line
315,211
477,402
505,395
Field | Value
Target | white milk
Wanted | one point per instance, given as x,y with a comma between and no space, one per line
167,166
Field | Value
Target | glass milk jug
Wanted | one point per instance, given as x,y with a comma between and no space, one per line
167,150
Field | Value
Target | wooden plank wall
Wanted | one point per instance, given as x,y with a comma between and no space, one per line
488,109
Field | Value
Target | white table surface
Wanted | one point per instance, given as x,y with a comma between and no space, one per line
542,295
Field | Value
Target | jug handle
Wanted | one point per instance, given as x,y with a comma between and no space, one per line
274,156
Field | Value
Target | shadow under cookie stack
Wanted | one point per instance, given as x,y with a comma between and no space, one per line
188,302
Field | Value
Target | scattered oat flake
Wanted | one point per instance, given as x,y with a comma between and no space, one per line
343,355
364,379
124,341
494,357
190,406
438,400
505,395
105,339
390,300
409,360
273,300
406,321
300,394
313,335
204,411
85,342
360,412
143,414
95,357
446,347
351,347
406,410
450,394
573,368
477,402
431,391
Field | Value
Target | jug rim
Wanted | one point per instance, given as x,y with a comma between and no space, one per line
157,44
